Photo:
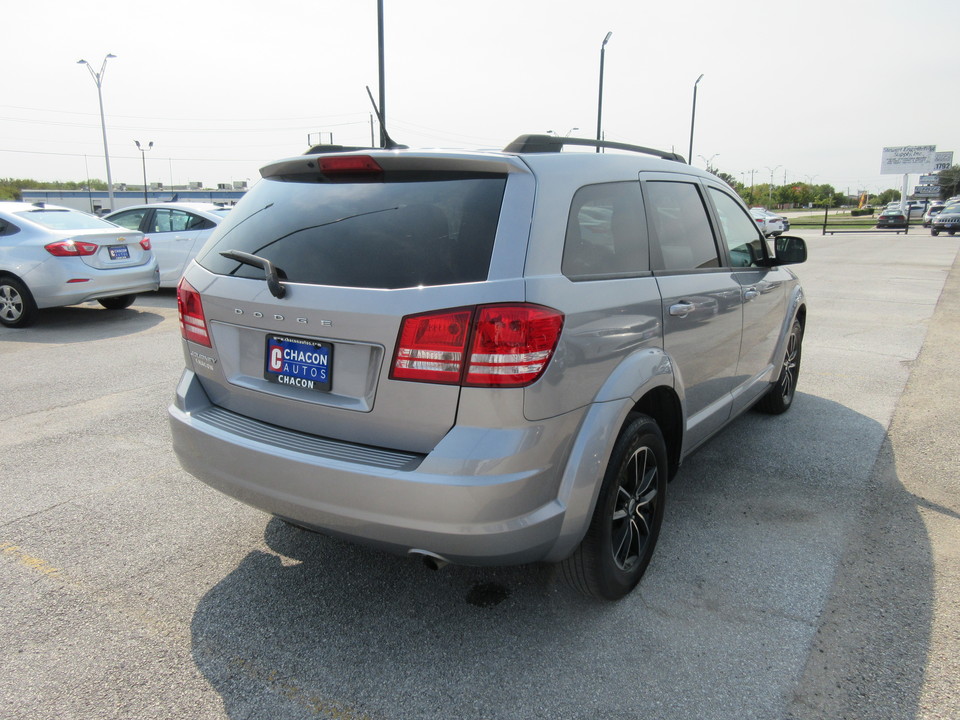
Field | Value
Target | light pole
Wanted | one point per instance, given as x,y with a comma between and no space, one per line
770,187
143,157
709,160
600,99
570,131
693,118
98,79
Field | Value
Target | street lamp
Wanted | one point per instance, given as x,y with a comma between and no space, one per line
600,100
693,118
709,160
143,157
770,187
570,131
98,79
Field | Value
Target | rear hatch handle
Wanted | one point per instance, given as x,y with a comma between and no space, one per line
272,276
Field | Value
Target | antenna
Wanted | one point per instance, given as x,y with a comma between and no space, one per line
389,143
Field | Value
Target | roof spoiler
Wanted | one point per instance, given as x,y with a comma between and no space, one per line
552,143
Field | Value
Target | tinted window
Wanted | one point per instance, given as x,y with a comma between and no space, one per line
413,229
683,236
739,229
66,220
606,232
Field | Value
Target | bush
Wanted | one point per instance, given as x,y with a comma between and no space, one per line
864,211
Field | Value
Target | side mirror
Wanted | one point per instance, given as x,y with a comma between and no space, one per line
791,250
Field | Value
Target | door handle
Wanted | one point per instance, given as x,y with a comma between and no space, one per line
681,309
181,237
751,293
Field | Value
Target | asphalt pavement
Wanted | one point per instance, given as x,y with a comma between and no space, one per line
807,566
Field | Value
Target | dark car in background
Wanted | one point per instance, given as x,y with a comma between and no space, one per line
892,218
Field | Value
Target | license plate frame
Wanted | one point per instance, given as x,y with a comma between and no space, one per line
298,362
118,252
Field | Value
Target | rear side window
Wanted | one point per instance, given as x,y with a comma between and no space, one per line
410,230
606,233
684,238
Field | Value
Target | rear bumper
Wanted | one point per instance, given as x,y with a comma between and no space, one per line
51,286
483,496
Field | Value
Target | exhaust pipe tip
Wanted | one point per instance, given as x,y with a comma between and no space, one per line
431,560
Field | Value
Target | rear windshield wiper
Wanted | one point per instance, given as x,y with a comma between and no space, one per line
272,274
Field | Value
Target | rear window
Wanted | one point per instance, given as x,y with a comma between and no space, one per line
408,230
66,220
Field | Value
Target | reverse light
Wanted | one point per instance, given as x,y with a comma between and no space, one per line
71,248
193,324
507,345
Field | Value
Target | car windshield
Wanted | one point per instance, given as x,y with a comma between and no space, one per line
57,219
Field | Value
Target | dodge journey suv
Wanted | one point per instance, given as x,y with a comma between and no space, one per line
481,357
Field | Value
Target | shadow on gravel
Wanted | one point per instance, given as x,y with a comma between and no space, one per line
786,557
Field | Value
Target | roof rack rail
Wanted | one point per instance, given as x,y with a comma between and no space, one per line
552,143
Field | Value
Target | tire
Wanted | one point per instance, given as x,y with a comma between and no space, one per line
117,303
779,397
17,306
934,232
623,532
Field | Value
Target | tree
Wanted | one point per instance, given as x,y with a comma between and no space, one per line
949,180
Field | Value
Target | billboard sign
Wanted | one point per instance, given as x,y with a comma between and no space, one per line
943,161
908,159
926,191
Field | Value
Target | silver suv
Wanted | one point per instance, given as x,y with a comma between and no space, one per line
481,357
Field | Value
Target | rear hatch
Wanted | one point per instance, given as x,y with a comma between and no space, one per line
357,243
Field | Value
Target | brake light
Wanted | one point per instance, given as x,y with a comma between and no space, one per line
71,248
349,165
489,346
431,346
512,344
193,325
145,243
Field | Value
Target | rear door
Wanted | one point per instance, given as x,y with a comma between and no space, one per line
701,301
174,235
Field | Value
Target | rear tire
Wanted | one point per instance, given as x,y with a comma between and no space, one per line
17,306
934,232
779,397
117,303
623,532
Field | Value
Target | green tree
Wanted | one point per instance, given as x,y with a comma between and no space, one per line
949,180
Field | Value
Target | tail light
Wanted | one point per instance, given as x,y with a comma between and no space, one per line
71,248
145,243
193,325
487,346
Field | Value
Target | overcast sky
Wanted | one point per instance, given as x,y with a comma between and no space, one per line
810,90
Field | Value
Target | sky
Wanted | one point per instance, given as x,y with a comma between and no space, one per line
806,91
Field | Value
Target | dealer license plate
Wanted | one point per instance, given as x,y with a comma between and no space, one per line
299,362
119,252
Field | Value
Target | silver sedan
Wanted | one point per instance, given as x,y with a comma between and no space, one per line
52,256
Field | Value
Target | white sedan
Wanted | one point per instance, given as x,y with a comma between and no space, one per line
769,223
177,231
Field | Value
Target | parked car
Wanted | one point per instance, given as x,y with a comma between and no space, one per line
52,256
948,220
932,211
483,358
177,231
892,218
770,224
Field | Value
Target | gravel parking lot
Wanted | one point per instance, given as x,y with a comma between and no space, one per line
807,566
